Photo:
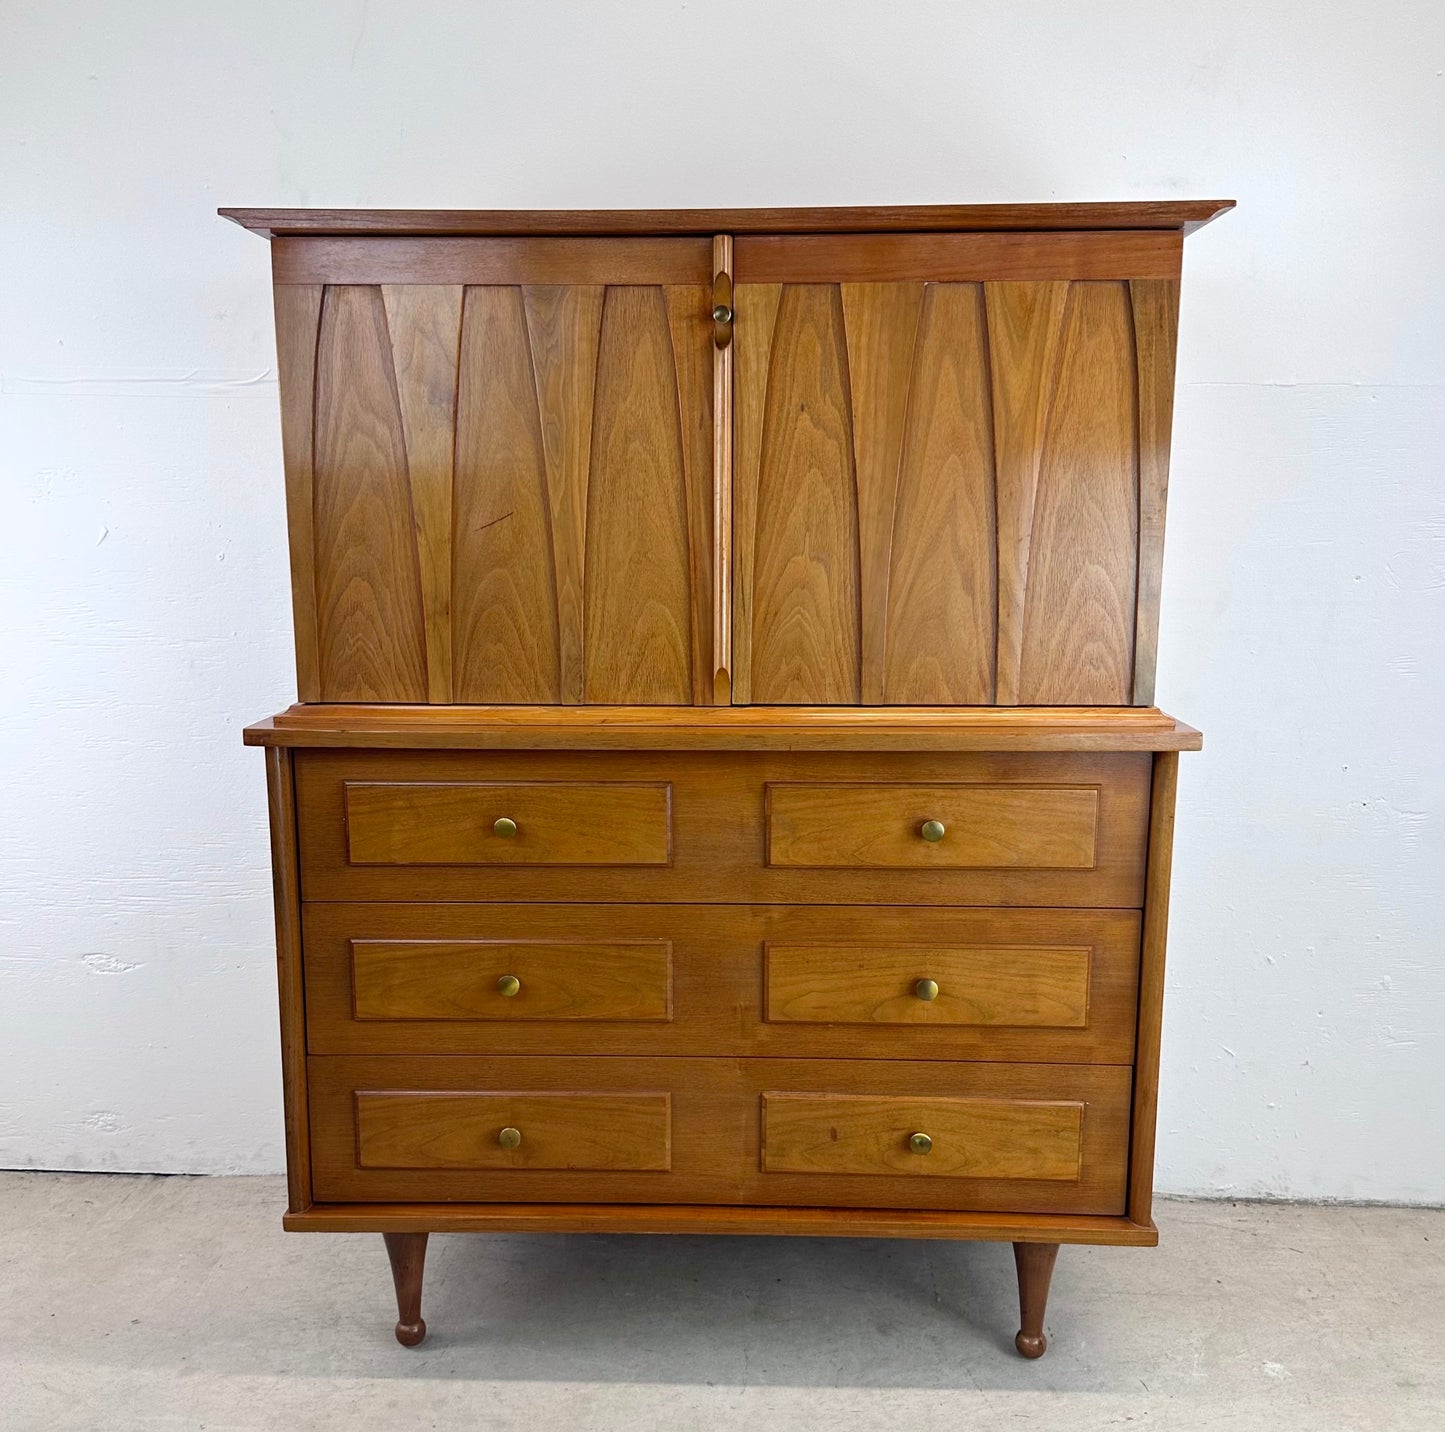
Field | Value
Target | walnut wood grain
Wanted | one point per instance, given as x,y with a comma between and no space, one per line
404,980
407,1254
1034,1263
994,1138
949,258
878,824
1182,214
716,1131
756,728
459,1130
791,981
552,823
718,845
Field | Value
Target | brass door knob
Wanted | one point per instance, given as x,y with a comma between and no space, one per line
508,828
932,831
919,1143
926,989
509,1138
508,985
722,314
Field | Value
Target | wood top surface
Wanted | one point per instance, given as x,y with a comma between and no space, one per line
1183,214
724,728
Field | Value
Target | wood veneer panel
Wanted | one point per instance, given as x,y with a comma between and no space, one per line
639,594
716,1152
1040,986
1078,635
371,622
719,828
298,323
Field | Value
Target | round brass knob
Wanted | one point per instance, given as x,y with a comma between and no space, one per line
510,1138
508,985
931,831
722,314
919,1143
926,989
508,828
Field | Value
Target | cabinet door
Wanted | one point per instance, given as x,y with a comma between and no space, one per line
950,460
499,468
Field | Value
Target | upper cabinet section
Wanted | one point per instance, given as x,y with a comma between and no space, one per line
923,463
951,461
499,468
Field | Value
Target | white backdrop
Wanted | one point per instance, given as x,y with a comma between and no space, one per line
143,577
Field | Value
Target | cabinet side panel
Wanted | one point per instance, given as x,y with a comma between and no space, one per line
1078,634
298,319
370,618
1155,305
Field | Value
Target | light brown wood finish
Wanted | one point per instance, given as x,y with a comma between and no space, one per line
1182,214
991,986
421,808
716,1139
552,823
952,258
462,1130
880,824
464,980
722,480
1034,1263
1036,986
1151,985
286,889
741,728
967,1138
1115,1232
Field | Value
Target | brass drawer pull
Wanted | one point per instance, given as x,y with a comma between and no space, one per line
926,989
510,1138
507,828
932,831
919,1143
508,985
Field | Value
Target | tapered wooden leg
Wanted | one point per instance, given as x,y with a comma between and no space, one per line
407,1252
1035,1264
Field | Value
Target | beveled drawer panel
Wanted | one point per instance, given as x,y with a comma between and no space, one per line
512,1130
427,1129
989,985
789,980
919,1137
1060,829
506,823
949,827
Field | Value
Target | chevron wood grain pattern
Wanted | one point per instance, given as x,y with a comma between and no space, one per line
455,452
949,493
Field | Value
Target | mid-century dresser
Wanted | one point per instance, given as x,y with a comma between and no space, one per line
726,793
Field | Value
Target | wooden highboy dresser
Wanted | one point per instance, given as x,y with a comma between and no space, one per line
726,793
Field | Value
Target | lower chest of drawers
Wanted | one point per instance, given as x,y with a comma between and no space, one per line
899,982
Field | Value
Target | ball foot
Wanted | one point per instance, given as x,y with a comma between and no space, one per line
410,1334
1031,1344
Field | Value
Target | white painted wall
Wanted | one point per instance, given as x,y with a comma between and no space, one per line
142,553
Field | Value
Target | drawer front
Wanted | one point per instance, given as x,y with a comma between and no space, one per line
1058,829
947,827
721,1131
512,1130
506,823
483,980
929,1138
1040,986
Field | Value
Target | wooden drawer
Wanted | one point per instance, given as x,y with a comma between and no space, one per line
425,1129
1040,828
1031,985
512,1130
506,823
871,825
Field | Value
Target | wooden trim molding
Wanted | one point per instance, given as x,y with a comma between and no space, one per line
1182,214
727,728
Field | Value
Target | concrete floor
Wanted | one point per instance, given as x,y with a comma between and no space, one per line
140,1302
